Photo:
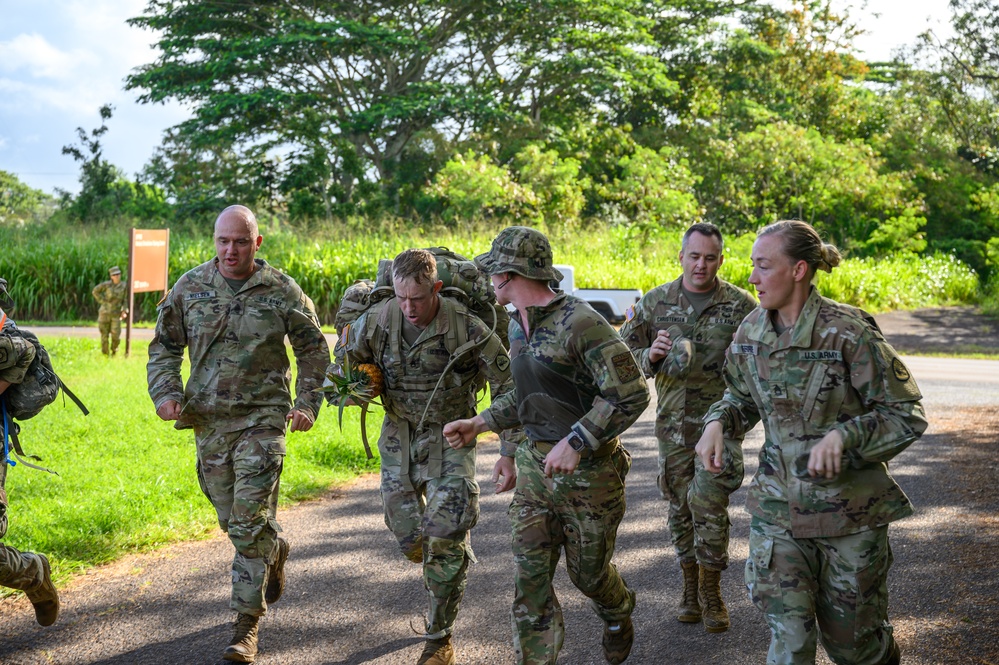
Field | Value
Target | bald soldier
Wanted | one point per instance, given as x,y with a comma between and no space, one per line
233,314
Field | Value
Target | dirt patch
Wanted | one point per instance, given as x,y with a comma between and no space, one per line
941,330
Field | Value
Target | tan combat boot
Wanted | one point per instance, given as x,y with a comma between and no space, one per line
43,596
437,652
690,608
715,613
243,648
275,573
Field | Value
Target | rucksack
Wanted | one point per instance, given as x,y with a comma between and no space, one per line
462,281
26,399
40,386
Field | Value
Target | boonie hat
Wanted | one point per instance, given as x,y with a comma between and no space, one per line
114,270
521,250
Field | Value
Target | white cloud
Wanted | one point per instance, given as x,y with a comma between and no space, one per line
3,142
43,60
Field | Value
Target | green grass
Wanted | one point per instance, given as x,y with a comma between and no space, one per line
126,479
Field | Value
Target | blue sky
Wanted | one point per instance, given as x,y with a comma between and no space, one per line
60,60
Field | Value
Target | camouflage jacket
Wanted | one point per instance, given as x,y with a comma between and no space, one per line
16,353
682,402
411,373
574,372
111,298
240,374
832,370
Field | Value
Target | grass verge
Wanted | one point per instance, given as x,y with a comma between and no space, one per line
126,479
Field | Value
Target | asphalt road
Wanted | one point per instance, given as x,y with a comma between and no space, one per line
352,598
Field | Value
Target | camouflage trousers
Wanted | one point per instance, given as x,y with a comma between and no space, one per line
239,472
18,570
580,513
833,589
698,502
109,326
431,514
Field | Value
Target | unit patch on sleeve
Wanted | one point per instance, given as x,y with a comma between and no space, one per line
625,367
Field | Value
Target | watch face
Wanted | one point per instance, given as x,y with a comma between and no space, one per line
576,442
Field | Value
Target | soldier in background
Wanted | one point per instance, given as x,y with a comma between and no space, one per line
578,388
837,404
679,332
233,314
26,571
110,296
429,492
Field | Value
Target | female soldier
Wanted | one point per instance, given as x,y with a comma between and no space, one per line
837,405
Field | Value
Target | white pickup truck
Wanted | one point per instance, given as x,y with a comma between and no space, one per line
612,304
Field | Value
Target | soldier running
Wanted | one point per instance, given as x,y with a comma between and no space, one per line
429,492
837,405
679,333
578,388
233,314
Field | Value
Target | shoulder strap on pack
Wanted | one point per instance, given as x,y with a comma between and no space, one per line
10,433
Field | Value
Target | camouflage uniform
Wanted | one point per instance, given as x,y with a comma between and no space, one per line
111,298
698,520
819,548
237,399
573,373
19,570
429,493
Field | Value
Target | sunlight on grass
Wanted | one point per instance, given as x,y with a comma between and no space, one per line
126,479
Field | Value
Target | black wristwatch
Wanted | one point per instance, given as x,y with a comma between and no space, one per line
577,442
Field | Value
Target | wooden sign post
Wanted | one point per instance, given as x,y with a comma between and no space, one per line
148,269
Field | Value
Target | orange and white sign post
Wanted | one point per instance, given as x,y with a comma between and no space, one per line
148,269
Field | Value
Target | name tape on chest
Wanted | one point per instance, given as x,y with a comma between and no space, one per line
671,319
200,295
745,349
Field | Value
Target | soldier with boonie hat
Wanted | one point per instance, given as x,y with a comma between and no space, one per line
577,388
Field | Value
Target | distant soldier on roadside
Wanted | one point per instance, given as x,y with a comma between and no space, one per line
26,571
111,295
233,315
679,332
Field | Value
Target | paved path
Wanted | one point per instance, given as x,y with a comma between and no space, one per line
352,599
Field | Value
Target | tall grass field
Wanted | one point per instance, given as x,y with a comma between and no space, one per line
51,274
126,478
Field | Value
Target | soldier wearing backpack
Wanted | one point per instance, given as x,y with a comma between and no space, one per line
26,571
429,492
